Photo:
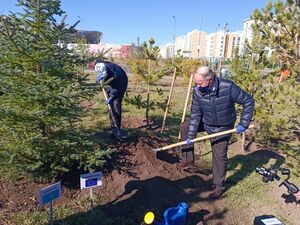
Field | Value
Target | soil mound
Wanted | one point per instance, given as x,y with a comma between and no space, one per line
144,181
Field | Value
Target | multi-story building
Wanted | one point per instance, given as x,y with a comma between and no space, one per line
217,45
209,45
196,43
182,46
167,51
233,41
247,34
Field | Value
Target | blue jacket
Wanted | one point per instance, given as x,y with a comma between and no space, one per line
215,109
118,85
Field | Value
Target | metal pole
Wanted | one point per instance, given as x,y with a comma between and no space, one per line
174,38
225,41
174,18
51,214
91,197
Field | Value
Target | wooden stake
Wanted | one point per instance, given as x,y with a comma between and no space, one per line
186,101
169,101
200,139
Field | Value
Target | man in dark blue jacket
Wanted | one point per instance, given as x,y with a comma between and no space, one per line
213,110
116,89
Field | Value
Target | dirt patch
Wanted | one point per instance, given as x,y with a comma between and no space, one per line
151,182
136,180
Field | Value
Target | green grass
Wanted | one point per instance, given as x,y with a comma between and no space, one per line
70,216
246,197
249,194
78,213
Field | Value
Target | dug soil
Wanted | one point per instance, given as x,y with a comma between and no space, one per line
136,180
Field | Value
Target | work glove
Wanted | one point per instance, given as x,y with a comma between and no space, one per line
188,141
99,80
108,101
240,129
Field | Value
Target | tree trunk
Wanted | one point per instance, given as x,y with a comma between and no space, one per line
148,93
147,106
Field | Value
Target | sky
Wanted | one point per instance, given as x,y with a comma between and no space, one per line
123,21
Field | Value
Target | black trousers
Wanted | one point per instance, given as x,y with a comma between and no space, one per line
219,154
116,107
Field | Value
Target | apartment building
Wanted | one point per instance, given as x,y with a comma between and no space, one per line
220,44
233,41
197,40
182,45
247,34
209,46
215,44
167,51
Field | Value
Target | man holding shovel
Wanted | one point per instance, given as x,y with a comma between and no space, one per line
213,110
107,71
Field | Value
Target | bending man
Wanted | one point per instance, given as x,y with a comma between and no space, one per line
116,89
213,110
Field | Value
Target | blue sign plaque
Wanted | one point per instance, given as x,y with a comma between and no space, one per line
50,193
90,180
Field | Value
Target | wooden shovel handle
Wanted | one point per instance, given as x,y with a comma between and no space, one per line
110,109
200,139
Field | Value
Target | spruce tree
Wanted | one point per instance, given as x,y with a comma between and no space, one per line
42,90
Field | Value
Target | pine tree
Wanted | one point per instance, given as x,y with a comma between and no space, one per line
276,104
185,67
278,28
42,90
146,70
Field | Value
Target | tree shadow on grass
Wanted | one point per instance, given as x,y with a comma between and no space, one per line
248,164
155,194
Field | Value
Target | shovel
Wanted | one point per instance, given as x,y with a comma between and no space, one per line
110,109
199,139
123,133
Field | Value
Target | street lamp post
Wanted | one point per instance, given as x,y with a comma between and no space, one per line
174,37
198,52
226,30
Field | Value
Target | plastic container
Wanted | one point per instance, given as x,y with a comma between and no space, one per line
176,215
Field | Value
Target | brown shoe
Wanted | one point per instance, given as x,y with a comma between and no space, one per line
216,192
189,167
184,165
